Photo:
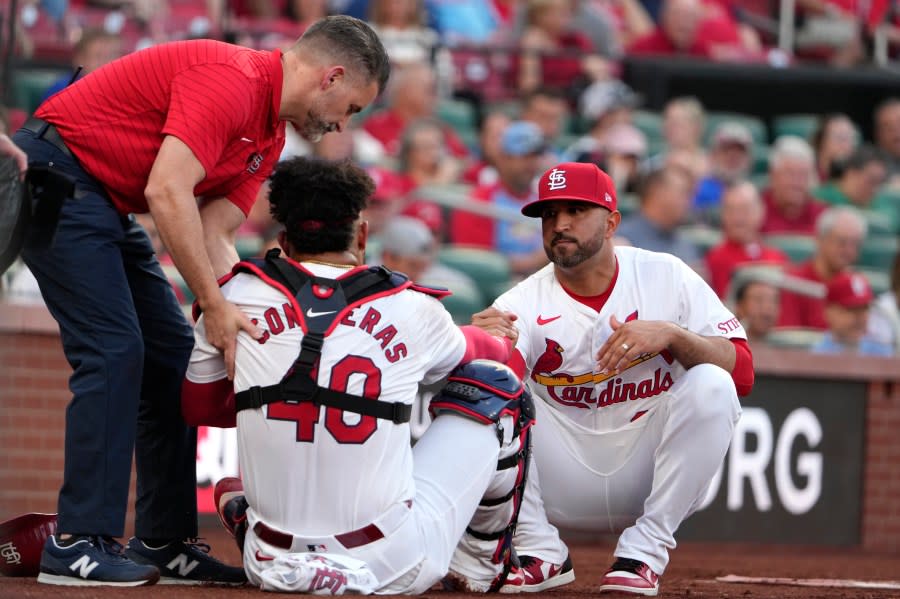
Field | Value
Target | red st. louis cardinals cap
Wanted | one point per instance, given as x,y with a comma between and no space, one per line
850,290
574,181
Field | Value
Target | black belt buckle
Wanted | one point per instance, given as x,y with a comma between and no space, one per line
49,188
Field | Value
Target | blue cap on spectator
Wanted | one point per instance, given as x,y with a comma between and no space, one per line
521,138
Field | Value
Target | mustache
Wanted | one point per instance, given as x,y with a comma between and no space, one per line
560,237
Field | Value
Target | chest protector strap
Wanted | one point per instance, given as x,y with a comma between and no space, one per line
325,301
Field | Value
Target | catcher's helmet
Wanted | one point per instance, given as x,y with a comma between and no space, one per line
22,541
484,390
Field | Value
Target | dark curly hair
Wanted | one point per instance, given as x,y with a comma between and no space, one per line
318,202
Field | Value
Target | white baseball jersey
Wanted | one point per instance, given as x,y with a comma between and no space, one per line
321,471
559,336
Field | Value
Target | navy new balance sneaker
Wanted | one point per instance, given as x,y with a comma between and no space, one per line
92,561
185,562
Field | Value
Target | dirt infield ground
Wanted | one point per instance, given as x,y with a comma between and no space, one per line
691,573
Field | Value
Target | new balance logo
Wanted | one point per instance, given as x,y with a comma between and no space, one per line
182,564
83,566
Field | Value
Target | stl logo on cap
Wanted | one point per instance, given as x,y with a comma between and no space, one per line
556,180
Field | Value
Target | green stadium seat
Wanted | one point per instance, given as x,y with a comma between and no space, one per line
760,159
248,246
650,123
879,223
761,180
487,268
459,114
755,124
798,248
879,280
464,302
878,253
701,236
801,125
794,338
29,87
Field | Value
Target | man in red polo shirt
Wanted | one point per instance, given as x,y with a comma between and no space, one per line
742,214
790,206
186,131
840,232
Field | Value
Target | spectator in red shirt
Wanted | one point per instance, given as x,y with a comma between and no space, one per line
412,95
742,215
686,27
790,206
163,130
840,232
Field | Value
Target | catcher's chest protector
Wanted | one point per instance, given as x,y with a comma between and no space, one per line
320,304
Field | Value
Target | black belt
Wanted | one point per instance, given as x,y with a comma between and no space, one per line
48,132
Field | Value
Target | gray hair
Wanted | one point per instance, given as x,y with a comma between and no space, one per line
827,221
789,147
352,41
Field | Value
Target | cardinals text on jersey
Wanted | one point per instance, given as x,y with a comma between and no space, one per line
559,353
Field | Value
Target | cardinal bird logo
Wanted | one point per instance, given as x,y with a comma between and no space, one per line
550,360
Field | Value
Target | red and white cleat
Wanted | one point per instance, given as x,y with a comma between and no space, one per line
535,575
630,576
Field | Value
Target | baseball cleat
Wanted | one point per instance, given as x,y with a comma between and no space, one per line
534,575
630,576
231,505
92,561
184,562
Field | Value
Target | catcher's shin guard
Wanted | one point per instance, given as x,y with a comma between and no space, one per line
492,394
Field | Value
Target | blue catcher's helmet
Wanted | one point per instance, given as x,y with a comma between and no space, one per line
485,390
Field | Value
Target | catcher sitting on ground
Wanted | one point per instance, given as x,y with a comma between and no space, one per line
333,496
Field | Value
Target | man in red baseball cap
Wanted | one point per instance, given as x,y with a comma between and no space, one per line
636,367
847,300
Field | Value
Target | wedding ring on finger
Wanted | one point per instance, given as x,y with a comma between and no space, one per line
625,346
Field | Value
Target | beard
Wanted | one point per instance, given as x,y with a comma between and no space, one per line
570,256
315,127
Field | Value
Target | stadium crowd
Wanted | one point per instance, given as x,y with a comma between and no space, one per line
795,226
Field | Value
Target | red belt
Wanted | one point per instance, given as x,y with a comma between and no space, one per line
354,538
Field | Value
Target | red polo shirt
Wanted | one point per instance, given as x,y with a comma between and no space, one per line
728,256
804,223
801,310
221,100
